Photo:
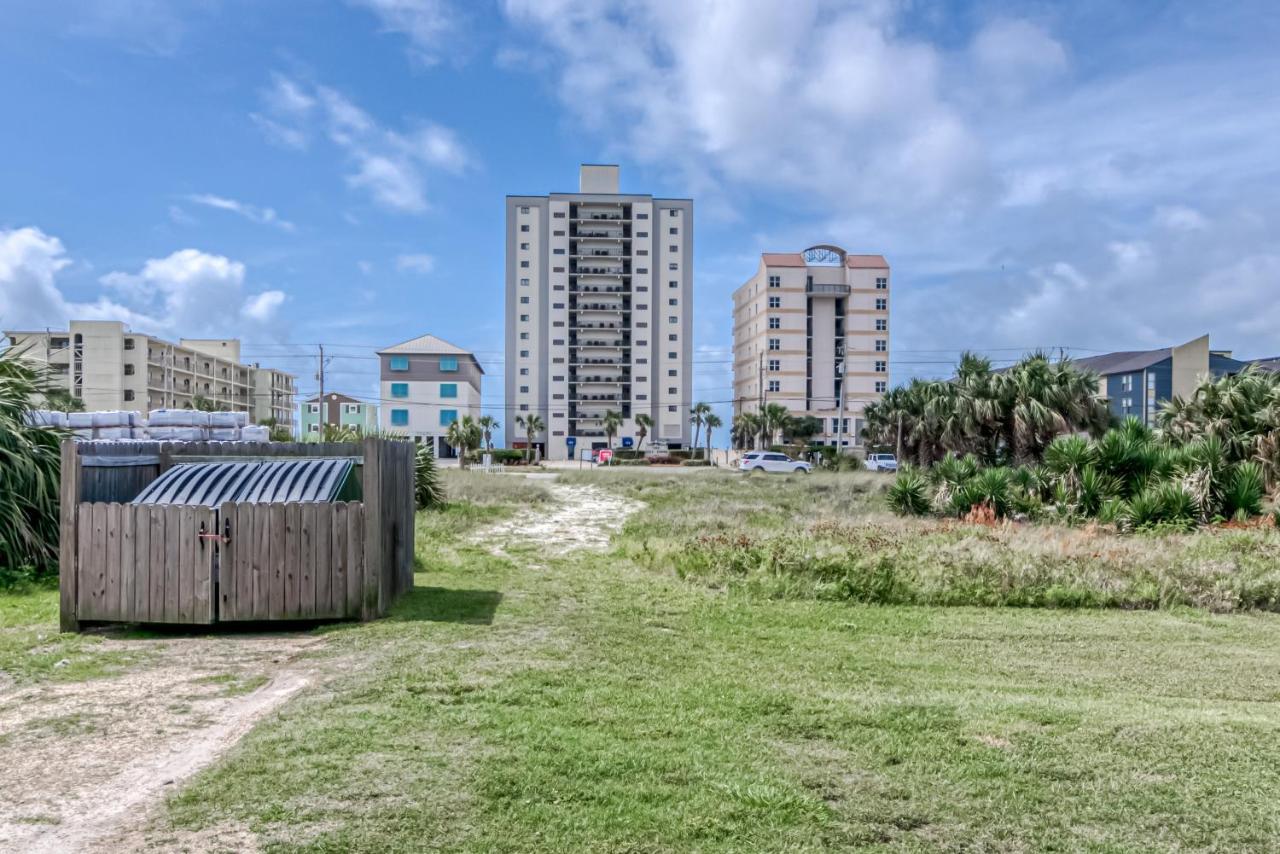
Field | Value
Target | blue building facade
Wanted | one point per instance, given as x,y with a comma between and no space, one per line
1136,383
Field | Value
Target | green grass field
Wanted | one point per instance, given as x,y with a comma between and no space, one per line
622,702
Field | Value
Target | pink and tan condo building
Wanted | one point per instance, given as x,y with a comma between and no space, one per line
811,332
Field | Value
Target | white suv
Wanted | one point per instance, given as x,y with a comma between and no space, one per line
881,462
771,461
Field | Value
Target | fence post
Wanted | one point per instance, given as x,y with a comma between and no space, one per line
68,510
371,589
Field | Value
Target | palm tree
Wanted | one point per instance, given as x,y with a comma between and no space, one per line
488,424
712,421
644,423
464,435
611,422
774,420
533,425
745,429
697,417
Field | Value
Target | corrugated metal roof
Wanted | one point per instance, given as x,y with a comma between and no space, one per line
265,482
428,344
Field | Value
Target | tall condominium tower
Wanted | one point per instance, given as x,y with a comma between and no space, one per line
599,315
811,332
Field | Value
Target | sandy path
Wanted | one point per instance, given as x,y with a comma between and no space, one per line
82,763
579,517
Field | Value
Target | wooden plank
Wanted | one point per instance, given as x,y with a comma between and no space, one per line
370,595
261,558
186,563
86,579
355,559
338,560
172,562
239,589
292,561
68,529
205,553
141,608
111,594
307,560
276,562
158,569
322,559
228,569
127,562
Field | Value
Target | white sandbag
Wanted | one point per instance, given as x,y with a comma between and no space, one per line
46,418
176,434
255,433
113,432
80,420
169,418
83,432
112,418
224,434
224,419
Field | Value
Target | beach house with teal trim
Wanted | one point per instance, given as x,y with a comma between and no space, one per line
427,384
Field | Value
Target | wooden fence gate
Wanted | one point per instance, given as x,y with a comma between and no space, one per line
146,563
292,562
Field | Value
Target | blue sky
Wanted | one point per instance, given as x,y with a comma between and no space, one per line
1092,175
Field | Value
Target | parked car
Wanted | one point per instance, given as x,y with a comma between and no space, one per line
880,462
771,461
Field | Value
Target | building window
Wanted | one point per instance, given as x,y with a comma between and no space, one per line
399,389
775,302
128,370
673,284
524,318
881,386
524,245
128,394
524,300
672,337
882,325
775,323
672,319
448,416
673,372
673,248
673,230
448,363
557,269
882,304
524,336
399,418
775,281
524,372
881,345
524,283
775,385
1126,382
775,364
642,234
399,363
524,209
672,265
128,343
775,343
882,283
641,270
448,389
557,251
671,390
558,215
524,389
524,354
313,408
524,228
673,301
524,263
642,216
642,251
881,367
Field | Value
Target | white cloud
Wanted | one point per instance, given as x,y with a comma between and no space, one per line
253,213
262,307
389,165
419,263
186,294
426,23
1180,218
179,216
1011,56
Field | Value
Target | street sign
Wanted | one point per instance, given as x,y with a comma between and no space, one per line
571,441
627,441
604,456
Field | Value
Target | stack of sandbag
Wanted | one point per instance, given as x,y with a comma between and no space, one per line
225,426
178,425
46,418
81,424
115,424
255,433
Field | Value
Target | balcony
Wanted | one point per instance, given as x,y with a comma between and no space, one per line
819,290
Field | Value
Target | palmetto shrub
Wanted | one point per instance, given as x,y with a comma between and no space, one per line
1242,497
1167,505
428,491
909,493
990,487
29,474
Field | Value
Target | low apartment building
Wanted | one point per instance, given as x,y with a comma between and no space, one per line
427,384
339,410
109,367
811,332
1136,382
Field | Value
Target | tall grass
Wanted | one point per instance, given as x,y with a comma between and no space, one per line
29,472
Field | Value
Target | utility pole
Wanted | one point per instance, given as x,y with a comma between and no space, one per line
898,455
760,404
323,412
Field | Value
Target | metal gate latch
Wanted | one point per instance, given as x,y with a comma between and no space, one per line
223,538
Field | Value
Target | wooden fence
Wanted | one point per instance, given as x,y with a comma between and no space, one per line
237,562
